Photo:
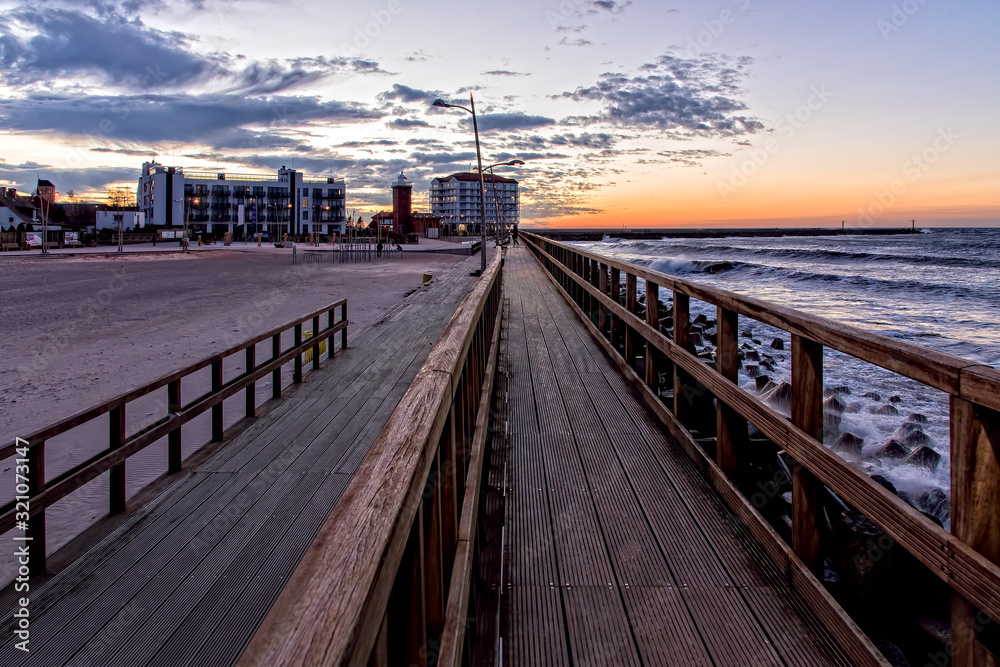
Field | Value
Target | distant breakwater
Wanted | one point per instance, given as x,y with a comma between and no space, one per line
568,235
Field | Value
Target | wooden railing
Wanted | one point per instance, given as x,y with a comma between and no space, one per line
43,493
966,559
387,579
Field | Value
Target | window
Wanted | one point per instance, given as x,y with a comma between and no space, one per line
305,216
305,203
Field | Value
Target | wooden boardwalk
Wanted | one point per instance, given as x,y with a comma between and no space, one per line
615,549
188,577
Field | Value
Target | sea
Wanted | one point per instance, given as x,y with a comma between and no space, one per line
938,288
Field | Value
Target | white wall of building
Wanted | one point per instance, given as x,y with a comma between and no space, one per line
127,219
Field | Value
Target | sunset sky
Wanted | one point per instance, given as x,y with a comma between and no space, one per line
639,113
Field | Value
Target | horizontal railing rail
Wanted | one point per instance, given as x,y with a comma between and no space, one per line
966,559
387,577
43,493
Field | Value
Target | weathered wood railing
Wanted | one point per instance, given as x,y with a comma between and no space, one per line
387,579
966,559
43,493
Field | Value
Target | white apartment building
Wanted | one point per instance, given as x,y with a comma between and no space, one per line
217,202
455,199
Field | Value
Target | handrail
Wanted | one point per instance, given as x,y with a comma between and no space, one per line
966,559
43,493
382,563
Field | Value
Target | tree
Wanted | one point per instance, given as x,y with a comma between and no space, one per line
119,197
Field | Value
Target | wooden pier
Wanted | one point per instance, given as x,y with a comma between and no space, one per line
527,492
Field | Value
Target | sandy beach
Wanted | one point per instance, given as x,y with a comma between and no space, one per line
81,329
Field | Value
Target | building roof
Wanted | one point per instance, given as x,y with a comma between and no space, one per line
474,176
43,183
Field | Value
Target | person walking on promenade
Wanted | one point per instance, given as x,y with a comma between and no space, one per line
378,249
513,234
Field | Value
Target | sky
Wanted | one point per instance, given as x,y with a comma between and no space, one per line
641,113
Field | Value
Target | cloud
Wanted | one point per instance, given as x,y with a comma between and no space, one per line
694,94
443,158
173,117
115,48
406,94
510,121
125,52
576,42
407,123
367,143
611,7
691,157
24,176
504,72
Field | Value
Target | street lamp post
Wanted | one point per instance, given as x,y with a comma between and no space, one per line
501,223
479,159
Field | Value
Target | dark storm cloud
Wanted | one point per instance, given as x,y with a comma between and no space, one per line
178,117
696,94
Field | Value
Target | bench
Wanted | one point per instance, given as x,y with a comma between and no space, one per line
72,244
10,246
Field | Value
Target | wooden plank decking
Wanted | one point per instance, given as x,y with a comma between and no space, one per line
616,551
188,578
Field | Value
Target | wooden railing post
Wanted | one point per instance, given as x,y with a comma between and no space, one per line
251,390
116,433
276,373
343,334
616,295
630,306
682,338
807,414
975,478
174,439
602,319
217,423
296,341
653,320
36,522
434,552
731,427
315,336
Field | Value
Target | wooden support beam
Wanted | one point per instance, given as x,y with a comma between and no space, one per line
276,373
630,306
116,438
975,478
174,456
251,390
731,427
36,522
296,341
217,422
315,348
807,414
616,295
682,338
653,320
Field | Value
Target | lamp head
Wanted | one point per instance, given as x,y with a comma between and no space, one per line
440,103
514,163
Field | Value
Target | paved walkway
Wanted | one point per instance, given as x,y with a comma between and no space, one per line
616,551
187,580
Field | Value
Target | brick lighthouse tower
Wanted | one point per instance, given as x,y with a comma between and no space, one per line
402,207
